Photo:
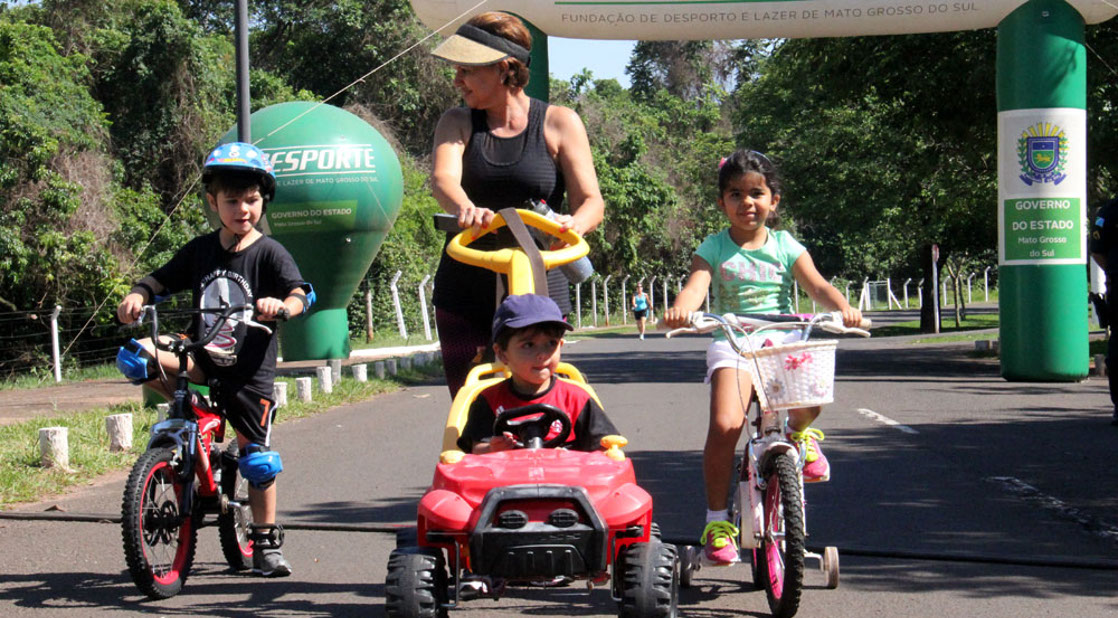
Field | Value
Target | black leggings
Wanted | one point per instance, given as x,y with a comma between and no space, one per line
462,342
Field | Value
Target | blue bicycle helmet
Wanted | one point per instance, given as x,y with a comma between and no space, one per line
242,157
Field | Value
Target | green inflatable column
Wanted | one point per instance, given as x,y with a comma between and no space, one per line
339,188
1042,151
539,78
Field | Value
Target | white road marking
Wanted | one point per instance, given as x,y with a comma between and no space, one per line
870,414
1031,494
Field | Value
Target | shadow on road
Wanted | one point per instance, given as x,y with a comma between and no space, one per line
287,597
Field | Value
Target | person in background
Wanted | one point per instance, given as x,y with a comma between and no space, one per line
640,308
500,150
1104,250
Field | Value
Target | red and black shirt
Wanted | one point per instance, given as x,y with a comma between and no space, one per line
589,423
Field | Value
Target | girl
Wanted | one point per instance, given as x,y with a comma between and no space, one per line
749,269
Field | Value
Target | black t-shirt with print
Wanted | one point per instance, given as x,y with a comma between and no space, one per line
218,277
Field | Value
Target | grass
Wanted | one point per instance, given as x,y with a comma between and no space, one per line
24,479
972,322
76,374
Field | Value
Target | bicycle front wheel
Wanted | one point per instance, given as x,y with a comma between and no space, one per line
159,539
781,556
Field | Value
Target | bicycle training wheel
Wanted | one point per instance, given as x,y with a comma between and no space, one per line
235,521
781,556
159,539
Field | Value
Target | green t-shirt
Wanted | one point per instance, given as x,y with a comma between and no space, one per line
751,281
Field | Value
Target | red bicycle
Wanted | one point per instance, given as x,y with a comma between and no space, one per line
185,473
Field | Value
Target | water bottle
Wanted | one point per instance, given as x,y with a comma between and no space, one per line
576,271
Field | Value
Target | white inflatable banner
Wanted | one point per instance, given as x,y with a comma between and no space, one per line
658,20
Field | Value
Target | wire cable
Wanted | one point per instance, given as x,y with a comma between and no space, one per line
190,189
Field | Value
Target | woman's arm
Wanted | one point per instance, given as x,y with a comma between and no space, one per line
451,136
573,153
823,292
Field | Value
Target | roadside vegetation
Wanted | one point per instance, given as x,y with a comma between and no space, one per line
109,107
24,479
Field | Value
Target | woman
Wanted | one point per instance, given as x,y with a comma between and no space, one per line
499,150
640,308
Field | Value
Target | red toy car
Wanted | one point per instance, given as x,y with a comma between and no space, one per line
532,514
529,515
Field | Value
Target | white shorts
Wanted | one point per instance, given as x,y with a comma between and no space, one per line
720,354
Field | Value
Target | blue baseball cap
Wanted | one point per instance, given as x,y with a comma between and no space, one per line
522,310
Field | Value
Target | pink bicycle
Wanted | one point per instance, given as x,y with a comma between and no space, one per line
768,505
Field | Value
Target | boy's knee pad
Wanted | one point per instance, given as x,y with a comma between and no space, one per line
259,466
136,363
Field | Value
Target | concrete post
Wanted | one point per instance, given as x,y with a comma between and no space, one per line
119,428
303,389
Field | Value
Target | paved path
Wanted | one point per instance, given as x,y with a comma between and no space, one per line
955,493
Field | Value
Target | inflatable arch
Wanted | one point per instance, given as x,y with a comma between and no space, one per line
1042,124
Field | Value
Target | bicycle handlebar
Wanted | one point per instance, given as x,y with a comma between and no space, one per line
224,314
754,322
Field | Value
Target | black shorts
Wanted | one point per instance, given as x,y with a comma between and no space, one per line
640,313
250,413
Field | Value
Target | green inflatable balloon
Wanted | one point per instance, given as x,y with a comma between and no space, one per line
338,190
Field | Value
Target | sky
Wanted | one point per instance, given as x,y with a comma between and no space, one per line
605,59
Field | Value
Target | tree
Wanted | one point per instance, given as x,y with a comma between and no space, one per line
323,46
879,168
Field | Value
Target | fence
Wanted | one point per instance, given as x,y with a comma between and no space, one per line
42,342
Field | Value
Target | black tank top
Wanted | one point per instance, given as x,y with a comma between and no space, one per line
501,172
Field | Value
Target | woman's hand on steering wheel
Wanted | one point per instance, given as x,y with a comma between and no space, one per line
475,216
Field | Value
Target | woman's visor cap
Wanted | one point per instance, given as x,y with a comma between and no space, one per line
472,46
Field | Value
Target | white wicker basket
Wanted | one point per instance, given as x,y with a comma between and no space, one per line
797,375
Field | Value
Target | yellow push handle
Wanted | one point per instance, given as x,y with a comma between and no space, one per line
513,262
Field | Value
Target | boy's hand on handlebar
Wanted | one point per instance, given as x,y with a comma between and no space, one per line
130,308
268,308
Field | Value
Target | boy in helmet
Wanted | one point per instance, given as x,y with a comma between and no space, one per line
235,265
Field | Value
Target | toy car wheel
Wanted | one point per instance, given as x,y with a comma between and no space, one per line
416,585
650,585
688,564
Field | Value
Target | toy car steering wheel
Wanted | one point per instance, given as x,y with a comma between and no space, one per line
529,430
512,261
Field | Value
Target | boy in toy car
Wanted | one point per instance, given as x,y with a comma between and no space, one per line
528,332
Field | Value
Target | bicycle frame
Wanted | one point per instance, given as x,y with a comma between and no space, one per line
193,424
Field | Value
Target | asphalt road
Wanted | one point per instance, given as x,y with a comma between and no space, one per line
954,493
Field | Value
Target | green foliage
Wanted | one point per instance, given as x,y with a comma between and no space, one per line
50,129
413,247
880,167
322,47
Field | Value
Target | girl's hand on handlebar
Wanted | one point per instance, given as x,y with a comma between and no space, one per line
676,317
130,308
852,317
